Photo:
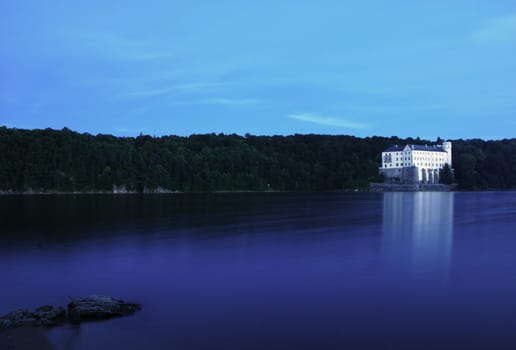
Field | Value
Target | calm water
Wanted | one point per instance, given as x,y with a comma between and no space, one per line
270,271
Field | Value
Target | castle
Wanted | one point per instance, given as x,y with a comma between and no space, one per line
415,163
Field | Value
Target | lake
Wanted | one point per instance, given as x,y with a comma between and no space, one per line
271,270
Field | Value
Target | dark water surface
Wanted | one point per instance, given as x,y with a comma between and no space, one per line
270,271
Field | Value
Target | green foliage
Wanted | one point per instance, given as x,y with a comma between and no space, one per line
482,164
446,175
63,160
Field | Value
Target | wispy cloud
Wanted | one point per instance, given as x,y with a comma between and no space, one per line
217,101
150,92
500,30
229,101
329,121
171,89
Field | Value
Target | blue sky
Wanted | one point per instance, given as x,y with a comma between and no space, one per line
405,68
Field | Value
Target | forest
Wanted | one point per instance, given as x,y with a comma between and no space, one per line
66,161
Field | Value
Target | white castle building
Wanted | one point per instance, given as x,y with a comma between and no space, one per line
415,163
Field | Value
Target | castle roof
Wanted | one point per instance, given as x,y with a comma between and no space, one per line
427,148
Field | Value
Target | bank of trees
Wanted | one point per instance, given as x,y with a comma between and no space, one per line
482,164
63,160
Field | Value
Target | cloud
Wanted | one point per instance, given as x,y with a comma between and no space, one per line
227,101
146,93
216,101
500,30
171,89
329,121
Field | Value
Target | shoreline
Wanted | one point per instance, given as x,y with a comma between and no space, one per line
54,192
43,193
373,189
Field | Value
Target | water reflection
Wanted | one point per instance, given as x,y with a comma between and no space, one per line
418,229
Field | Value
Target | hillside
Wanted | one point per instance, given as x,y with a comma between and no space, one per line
63,160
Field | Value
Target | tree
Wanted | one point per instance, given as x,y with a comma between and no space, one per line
446,175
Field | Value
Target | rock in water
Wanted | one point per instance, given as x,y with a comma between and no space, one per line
94,307
97,307
47,315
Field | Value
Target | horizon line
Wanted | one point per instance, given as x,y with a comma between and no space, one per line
247,134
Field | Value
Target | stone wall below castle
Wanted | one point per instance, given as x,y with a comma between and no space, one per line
406,175
393,187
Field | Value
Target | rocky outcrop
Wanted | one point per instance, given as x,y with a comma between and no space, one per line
47,315
94,307
97,307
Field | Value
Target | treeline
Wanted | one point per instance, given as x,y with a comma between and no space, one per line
63,160
481,165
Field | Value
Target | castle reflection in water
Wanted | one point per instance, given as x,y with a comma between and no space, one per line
417,227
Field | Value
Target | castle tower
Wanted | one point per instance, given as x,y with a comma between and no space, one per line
447,146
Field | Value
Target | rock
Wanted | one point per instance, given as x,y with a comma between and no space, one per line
47,315
97,307
94,307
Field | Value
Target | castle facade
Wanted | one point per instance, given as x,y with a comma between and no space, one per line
415,163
